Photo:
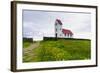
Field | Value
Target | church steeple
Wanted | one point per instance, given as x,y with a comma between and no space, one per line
58,28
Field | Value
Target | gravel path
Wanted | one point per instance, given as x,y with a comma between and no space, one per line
30,48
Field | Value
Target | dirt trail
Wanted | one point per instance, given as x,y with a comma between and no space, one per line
30,48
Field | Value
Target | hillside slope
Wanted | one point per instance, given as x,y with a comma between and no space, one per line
61,49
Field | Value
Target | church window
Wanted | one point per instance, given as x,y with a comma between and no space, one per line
56,29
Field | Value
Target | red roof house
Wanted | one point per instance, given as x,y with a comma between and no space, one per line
60,32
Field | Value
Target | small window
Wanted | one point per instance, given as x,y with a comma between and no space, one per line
65,34
56,29
68,35
56,24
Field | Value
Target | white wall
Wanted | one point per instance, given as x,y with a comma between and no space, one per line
59,29
5,38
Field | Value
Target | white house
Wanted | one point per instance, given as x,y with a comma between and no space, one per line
60,32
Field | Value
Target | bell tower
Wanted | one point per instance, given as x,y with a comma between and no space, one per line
58,28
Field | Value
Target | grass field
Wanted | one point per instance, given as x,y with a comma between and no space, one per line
62,49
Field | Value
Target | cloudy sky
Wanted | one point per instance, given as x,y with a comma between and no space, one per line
41,23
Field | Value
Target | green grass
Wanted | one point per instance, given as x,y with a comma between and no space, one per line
51,50
26,44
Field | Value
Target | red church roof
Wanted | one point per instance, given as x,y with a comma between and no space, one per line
59,21
66,31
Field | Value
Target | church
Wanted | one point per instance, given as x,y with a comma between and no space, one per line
61,32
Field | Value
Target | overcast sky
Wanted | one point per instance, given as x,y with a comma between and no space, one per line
41,23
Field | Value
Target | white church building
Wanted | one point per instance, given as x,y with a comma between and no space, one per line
60,32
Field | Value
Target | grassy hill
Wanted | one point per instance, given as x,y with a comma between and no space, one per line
61,49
